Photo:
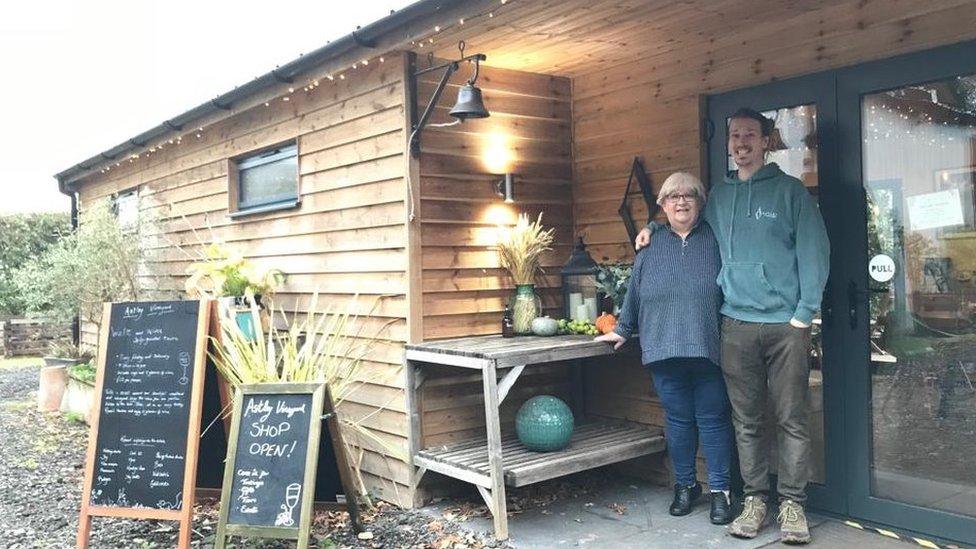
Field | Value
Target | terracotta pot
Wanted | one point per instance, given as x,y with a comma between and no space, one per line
53,382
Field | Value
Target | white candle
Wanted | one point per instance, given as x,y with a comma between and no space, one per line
591,311
582,312
575,300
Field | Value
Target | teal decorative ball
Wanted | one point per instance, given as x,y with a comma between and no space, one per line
544,424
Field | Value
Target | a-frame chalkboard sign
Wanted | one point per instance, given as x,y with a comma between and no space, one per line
272,457
142,447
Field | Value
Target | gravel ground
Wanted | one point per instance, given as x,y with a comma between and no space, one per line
41,469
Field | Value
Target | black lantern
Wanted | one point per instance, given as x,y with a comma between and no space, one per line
581,301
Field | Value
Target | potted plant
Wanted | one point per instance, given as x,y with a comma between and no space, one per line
235,282
80,392
53,378
520,252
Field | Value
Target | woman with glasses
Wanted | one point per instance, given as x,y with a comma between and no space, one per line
673,303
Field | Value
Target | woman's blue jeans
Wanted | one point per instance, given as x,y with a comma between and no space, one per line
692,391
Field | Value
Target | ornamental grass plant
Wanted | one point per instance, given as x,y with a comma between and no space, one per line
319,347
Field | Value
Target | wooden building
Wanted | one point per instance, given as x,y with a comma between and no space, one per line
575,90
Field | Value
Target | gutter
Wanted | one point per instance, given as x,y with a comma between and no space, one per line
365,37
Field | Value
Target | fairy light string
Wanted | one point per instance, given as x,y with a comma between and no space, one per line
309,87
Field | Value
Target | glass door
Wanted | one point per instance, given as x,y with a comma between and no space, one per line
909,128
803,111
919,170
889,149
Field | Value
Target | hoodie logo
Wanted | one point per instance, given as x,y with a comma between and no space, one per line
760,213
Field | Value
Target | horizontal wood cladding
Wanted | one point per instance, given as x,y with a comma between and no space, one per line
638,68
647,104
346,241
528,134
464,289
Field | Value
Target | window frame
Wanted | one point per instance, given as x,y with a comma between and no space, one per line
122,197
254,159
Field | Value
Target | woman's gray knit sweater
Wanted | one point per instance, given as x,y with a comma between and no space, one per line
673,299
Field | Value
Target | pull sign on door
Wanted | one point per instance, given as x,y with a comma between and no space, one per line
881,268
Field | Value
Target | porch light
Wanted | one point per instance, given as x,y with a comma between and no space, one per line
506,188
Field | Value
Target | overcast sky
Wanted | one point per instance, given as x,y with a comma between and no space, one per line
81,76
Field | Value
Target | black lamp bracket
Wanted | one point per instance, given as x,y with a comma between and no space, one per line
449,69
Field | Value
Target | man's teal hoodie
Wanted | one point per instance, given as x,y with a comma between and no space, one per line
774,247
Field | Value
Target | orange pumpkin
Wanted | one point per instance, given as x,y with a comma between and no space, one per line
606,323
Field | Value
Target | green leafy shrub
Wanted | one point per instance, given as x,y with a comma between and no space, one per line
98,262
612,279
25,236
84,372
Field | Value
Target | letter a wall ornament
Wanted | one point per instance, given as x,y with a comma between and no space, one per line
647,192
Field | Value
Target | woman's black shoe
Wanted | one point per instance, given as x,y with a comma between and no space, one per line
684,499
721,512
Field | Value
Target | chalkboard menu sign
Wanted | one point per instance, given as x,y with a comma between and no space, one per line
269,478
143,443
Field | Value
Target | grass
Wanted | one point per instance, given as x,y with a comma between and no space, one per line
17,406
74,417
20,362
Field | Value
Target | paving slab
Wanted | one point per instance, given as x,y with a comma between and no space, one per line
625,513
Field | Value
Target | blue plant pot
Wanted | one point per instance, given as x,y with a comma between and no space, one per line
544,423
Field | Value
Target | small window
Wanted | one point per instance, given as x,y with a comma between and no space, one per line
126,207
265,181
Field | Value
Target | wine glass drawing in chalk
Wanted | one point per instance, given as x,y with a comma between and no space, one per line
285,518
185,364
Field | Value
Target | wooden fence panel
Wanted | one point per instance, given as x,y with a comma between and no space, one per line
32,337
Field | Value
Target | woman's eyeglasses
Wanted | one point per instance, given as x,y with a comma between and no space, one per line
675,198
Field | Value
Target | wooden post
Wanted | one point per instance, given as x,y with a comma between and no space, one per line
84,518
493,427
223,388
342,462
414,434
579,396
193,433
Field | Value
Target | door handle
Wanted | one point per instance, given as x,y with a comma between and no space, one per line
827,307
857,296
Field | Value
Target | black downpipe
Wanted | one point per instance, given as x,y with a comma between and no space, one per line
75,322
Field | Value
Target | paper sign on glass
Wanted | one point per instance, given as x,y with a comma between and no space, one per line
934,210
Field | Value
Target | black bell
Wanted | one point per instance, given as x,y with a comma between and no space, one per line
469,104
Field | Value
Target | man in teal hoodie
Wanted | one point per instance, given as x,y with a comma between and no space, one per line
775,261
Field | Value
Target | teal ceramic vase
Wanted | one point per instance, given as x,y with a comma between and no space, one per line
544,424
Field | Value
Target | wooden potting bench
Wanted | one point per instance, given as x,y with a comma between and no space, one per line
492,462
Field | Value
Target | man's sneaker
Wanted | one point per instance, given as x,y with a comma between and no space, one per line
750,521
792,523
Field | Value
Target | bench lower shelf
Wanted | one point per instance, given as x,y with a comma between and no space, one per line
593,445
